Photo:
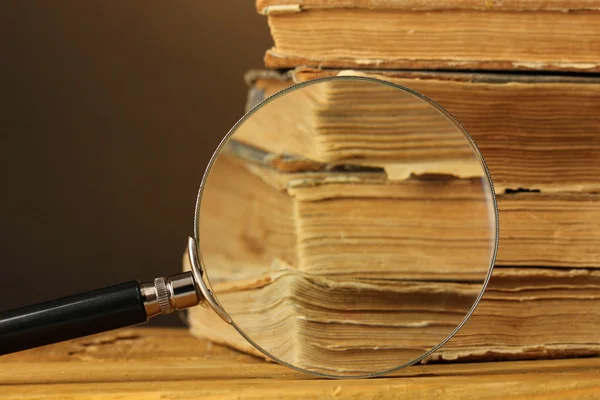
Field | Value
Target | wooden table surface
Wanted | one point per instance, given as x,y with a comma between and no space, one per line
144,363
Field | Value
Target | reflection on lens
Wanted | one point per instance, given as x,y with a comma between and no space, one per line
347,227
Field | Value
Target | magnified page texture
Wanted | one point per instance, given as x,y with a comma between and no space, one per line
347,226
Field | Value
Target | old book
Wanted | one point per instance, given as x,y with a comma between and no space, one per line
526,312
537,229
556,35
289,270
537,133
318,220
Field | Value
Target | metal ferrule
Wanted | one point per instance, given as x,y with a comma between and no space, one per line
166,295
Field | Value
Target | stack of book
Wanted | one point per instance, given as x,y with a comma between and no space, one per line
522,78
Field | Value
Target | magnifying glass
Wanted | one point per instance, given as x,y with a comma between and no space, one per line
348,227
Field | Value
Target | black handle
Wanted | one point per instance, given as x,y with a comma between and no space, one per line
70,317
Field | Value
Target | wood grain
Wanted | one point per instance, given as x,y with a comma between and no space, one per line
169,363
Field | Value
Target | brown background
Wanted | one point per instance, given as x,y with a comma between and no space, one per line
109,112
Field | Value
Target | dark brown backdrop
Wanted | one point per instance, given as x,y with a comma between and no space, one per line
109,112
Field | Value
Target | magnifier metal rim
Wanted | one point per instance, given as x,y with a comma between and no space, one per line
444,113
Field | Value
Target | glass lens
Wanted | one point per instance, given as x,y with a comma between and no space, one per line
347,226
